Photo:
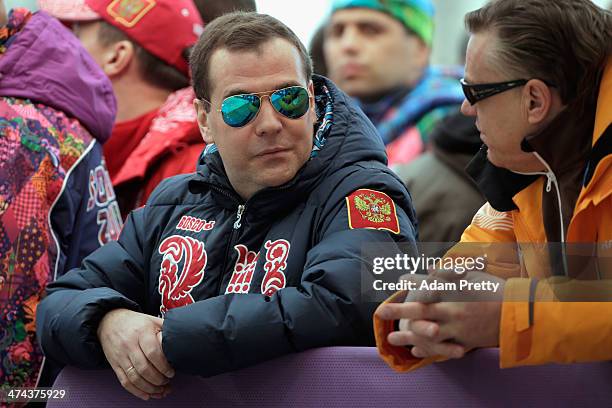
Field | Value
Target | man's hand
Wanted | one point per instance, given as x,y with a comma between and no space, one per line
132,344
442,323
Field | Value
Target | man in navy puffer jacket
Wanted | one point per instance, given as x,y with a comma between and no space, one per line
256,255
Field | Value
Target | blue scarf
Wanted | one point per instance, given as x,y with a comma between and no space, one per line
439,87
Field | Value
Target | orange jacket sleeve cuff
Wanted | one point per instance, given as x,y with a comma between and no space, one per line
398,358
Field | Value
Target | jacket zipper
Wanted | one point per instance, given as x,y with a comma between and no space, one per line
237,225
552,180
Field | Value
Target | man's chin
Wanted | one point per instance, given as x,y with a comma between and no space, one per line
517,163
493,158
276,179
357,88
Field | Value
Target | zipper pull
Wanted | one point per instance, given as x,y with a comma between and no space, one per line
238,224
550,177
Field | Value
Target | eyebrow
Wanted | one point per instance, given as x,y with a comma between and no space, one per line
240,91
367,23
358,21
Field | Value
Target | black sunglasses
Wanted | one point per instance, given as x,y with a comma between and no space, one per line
477,92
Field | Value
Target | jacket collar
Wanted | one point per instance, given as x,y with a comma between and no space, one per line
497,184
599,159
564,144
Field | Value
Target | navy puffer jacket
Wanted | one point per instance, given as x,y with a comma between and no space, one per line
239,283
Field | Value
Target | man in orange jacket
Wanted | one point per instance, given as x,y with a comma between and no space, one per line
538,79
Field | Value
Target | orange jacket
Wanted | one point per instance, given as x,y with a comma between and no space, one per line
552,331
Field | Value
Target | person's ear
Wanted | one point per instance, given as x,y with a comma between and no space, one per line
538,101
425,54
116,58
421,52
202,109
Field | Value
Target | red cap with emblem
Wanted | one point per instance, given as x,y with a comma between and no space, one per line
165,28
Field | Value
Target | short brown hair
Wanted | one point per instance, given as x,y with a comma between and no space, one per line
566,42
154,70
211,9
239,31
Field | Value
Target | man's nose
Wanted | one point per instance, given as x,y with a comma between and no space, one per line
350,40
268,121
467,108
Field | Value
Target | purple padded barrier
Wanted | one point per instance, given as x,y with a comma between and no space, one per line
356,377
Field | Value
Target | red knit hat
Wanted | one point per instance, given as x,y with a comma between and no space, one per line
165,28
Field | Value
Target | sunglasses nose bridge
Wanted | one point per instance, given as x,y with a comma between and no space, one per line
275,110
261,100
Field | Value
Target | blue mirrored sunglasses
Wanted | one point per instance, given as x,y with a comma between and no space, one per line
238,110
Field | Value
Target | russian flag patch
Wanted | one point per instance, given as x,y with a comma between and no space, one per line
372,209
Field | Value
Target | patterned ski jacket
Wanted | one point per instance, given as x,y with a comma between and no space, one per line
242,282
56,201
